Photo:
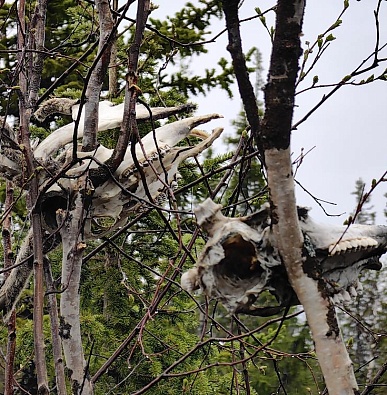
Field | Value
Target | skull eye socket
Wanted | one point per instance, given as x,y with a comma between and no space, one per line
52,202
240,259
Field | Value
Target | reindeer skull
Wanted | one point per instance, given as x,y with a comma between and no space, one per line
240,259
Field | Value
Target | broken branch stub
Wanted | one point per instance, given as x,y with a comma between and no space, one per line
241,259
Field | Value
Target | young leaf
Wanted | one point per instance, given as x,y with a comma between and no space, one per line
331,37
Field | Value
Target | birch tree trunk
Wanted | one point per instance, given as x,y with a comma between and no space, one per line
56,340
273,138
70,326
303,274
94,86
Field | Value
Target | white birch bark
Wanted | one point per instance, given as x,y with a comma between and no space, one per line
330,348
73,246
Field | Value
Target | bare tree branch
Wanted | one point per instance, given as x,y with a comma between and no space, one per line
8,255
93,90
230,8
27,100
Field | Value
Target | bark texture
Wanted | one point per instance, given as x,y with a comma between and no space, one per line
230,8
55,337
100,67
29,80
70,325
276,131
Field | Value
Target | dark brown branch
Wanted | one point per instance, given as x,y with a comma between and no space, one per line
373,383
280,88
129,124
37,38
246,90
27,100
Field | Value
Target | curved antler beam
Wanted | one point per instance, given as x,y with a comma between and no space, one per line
124,192
110,117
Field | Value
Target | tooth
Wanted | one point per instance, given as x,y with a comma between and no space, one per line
367,242
363,242
333,248
339,298
372,242
354,244
345,245
359,286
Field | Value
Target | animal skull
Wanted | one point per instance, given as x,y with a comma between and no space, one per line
241,260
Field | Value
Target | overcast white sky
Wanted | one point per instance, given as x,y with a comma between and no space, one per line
349,130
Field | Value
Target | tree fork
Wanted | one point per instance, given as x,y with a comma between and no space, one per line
131,90
276,131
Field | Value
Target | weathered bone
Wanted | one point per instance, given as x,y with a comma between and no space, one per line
110,200
240,259
110,117
159,160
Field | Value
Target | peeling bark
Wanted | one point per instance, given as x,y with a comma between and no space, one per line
280,87
311,292
70,326
93,90
56,340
